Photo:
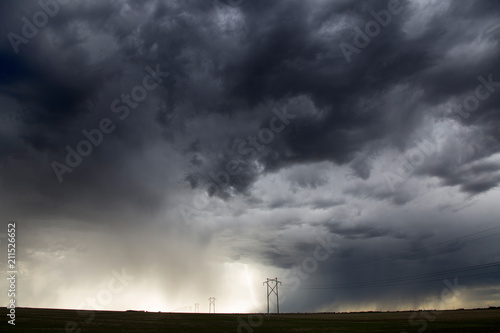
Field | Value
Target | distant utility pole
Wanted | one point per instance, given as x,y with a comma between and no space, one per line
196,307
273,289
211,301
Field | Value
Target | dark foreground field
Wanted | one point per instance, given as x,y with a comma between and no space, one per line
56,321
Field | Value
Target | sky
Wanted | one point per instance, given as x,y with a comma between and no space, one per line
157,153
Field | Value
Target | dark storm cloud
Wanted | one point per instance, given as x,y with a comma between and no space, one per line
286,59
234,68
54,80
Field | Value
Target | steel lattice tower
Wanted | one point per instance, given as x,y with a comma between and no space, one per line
273,289
211,301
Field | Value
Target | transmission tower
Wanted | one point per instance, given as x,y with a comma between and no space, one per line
272,289
211,301
196,308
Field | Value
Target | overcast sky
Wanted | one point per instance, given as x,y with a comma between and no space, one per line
196,148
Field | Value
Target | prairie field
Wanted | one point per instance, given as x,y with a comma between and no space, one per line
59,321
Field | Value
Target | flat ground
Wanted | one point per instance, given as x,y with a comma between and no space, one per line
57,321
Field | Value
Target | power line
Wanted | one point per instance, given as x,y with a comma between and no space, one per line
395,284
405,279
440,245
421,276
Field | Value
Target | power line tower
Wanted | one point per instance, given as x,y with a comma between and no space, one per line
196,308
273,289
211,301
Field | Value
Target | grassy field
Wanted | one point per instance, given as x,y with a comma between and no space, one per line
57,321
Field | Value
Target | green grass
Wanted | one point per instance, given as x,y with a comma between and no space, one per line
56,321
